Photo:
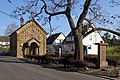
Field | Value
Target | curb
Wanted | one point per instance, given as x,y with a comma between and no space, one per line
106,77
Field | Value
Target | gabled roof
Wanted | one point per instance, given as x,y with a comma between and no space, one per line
33,20
52,38
4,39
71,34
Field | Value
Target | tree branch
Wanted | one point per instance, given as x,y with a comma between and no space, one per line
40,11
9,1
103,29
51,14
71,22
68,15
58,4
84,13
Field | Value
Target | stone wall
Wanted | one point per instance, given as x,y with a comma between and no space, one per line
30,31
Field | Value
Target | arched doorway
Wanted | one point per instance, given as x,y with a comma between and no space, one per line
25,49
34,49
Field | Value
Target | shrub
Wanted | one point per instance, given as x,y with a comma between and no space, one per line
66,61
113,60
67,55
113,50
50,50
80,64
91,58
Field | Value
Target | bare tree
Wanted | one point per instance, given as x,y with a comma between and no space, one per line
10,29
46,9
9,1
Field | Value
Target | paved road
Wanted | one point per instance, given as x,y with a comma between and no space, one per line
12,68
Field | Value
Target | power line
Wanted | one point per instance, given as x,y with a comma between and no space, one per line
8,15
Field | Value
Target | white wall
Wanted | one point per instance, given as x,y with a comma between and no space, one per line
61,37
57,42
88,41
4,43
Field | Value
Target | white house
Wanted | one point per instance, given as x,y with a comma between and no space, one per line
88,42
4,43
54,41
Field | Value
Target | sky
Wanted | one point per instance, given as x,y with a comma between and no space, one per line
5,20
7,7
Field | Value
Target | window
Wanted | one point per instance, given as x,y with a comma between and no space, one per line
68,39
32,31
72,38
89,46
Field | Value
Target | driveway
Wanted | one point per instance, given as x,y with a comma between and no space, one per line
12,68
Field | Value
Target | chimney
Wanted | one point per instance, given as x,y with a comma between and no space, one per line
21,21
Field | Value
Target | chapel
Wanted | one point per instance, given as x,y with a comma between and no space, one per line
29,39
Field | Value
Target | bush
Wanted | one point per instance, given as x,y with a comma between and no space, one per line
91,58
35,57
113,60
68,55
66,61
69,62
50,50
113,50
80,64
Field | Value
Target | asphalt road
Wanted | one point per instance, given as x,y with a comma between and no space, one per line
12,68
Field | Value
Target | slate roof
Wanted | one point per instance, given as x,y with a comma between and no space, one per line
4,39
69,35
52,38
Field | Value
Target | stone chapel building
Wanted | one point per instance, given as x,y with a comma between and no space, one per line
29,39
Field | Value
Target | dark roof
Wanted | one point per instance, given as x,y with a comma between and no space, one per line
52,38
33,20
4,39
69,35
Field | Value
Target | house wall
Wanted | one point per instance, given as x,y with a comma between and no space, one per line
59,39
56,44
89,41
13,44
68,48
4,43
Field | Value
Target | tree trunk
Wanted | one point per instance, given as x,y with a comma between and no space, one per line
78,37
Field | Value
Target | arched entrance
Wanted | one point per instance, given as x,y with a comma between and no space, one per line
34,49
31,47
25,49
